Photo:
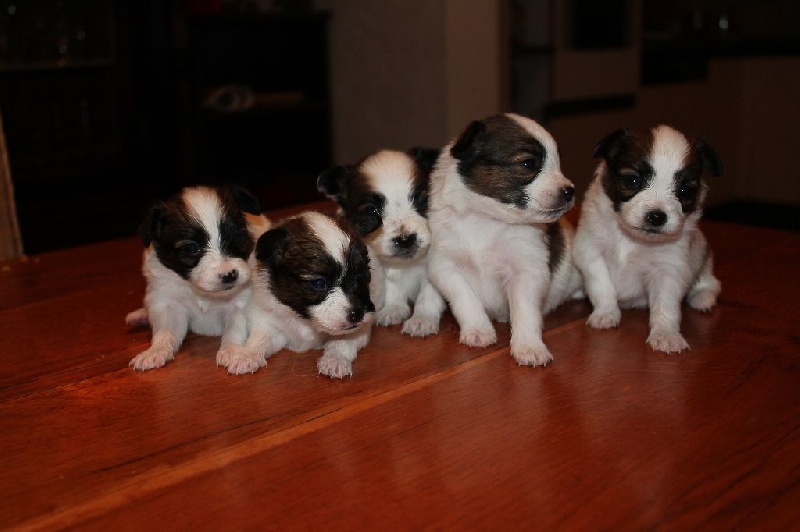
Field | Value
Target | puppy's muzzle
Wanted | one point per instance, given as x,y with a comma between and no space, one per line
655,218
355,315
405,245
405,241
229,277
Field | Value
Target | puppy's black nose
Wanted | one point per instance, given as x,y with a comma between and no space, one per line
355,315
229,277
568,193
405,241
656,218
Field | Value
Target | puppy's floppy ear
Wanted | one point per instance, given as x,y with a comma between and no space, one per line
272,245
709,157
334,182
606,147
425,158
465,142
246,201
153,223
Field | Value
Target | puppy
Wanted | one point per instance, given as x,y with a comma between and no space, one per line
499,249
312,290
196,266
637,242
385,198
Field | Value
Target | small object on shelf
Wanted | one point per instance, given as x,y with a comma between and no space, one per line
238,98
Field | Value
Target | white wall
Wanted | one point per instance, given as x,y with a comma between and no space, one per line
411,72
744,110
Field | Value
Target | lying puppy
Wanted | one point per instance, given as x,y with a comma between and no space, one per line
196,265
312,290
499,249
385,198
637,242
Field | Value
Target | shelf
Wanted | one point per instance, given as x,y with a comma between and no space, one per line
532,49
266,109
234,20
53,66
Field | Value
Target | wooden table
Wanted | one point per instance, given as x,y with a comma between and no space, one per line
427,434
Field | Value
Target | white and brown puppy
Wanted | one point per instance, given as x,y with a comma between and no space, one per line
198,244
385,198
637,243
500,250
311,290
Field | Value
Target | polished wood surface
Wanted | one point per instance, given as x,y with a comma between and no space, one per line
427,434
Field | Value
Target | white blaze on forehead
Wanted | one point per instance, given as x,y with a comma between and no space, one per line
552,161
335,240
390,173
668,153
205,207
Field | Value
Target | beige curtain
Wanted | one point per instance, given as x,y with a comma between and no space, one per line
10,240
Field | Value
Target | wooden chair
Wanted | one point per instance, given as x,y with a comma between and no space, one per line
10,239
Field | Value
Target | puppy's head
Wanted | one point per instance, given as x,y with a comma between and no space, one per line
385,198
318,267
654,179
201,234
510,167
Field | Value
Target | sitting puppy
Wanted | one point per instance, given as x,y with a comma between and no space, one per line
196,266
312,290
499,249
385,198
637,242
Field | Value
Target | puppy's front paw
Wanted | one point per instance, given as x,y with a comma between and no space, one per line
150,359
666,341
702,300
239,361
420,326
392,314
334,366
478,337
604,319
531,355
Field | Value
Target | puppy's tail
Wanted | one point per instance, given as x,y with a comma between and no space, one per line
137,318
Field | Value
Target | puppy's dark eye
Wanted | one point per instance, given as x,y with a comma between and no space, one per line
319,283
191,249
531,164
369,210
631,181
687,192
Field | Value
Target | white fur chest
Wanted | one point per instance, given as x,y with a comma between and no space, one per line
487,253
632,264
207,315
406,279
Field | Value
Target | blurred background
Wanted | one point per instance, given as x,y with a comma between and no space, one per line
108,105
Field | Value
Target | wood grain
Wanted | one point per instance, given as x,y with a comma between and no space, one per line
427,434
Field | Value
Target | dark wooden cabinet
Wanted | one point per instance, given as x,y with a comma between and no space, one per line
258,93
63,109
109,105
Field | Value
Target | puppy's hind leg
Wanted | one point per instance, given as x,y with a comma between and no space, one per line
703,294
169,330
